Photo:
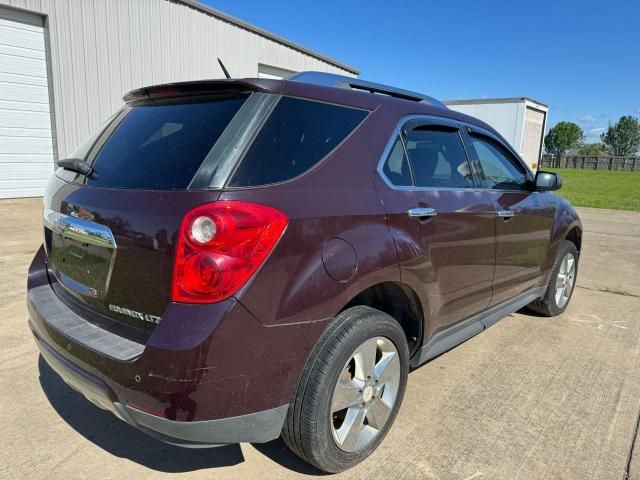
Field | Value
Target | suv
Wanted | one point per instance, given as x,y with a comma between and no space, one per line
234,260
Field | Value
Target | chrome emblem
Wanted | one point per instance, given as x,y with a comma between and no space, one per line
83,214
145,317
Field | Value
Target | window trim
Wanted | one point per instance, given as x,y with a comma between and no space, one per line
464,129
423,120
400,138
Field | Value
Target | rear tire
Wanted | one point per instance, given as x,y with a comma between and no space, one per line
561,283
344,405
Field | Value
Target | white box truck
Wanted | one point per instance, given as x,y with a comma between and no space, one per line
521,121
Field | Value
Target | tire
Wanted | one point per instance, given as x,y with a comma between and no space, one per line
551,304
318,433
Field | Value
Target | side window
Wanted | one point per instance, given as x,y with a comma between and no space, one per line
298,134
501,171
438,158
396,168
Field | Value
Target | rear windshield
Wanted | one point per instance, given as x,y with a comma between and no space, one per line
298,134
161,146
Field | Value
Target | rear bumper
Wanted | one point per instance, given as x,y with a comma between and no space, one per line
254,427
208,375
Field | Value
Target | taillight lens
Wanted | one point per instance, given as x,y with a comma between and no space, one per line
220,246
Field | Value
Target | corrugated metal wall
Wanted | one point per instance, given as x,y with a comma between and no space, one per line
100,49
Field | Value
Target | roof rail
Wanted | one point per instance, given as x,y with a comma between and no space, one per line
341,81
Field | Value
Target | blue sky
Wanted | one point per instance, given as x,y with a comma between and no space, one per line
582,58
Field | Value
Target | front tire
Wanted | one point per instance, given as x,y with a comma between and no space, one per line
350,391
561,283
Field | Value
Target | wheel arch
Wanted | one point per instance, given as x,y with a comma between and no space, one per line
574,235
399,301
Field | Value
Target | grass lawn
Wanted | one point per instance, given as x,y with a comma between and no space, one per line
600,188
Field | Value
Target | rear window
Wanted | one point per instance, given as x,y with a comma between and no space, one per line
161,146
298,134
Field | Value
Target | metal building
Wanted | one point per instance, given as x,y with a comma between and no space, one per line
521,121
65,64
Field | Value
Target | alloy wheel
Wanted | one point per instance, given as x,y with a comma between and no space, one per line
365,394
565,280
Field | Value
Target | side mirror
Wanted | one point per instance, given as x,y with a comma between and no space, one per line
546,181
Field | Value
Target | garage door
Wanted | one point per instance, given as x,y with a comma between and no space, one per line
26,147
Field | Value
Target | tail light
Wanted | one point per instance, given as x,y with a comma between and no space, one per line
220,246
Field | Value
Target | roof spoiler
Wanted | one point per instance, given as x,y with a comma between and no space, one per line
202,87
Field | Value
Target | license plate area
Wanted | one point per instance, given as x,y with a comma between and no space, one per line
81,253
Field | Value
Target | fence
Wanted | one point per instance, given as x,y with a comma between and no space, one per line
630,164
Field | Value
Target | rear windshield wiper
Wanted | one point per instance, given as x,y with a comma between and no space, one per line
79,166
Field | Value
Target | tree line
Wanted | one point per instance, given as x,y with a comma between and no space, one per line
621,139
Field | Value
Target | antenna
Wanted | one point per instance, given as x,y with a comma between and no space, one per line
226,73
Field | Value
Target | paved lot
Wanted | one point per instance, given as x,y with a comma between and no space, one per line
529,398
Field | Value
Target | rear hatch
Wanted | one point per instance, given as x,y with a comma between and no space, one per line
111,235
110,240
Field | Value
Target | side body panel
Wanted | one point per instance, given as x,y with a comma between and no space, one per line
523,223
522,242
447,259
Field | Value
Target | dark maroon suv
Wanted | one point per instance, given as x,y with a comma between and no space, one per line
230,261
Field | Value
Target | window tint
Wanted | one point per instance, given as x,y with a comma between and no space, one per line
297,135
396,168
500,171
82,150
438,158
161,146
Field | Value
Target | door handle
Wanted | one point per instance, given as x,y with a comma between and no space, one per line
422,212
505,214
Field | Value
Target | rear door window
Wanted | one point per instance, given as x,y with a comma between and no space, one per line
298,134
438,158
160,146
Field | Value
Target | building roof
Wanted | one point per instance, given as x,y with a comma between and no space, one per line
474,101
272,36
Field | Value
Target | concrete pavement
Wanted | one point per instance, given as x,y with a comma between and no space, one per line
530,398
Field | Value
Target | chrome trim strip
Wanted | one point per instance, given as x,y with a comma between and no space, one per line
83,231
505,213
443,121
422,212
392,141
79,229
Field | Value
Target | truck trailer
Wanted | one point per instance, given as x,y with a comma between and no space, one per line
521,121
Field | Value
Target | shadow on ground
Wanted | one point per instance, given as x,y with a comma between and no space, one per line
120,439
277,451
116,437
